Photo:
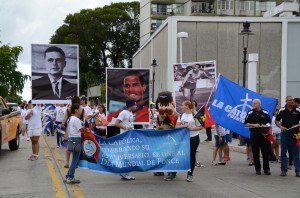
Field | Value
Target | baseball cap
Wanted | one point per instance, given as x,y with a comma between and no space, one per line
83,98
130,102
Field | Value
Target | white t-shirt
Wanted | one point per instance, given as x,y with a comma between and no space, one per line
189,118
60,113
275,128
23,114
222,131
127,119
87,110
75,124
35,121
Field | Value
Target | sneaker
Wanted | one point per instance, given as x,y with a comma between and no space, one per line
283,174
127,177
267,172
31,156
278,161
72,181
221,163
28,139
34,158
258,173
189,178
57,146
214,163
170,177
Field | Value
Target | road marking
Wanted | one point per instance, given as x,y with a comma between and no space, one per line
57,185
76,188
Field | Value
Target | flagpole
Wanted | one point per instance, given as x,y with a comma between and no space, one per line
217,81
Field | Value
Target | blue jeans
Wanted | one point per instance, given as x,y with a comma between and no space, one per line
286,141
75,159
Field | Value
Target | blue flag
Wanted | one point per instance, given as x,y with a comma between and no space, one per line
142,150
231,103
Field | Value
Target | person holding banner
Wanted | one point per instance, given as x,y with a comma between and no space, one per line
74,141
53,85
288,120
98,121
255,119
166,119
125,123
187,120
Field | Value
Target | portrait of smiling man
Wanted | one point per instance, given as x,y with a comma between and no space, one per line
135,86
53,85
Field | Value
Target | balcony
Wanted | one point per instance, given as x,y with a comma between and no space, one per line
163,1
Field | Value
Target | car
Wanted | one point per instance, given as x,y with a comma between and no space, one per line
10,126
12,106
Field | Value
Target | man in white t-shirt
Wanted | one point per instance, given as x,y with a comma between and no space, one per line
59,114
87,110
125,123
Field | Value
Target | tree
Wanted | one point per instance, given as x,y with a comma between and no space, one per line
11,81
107,36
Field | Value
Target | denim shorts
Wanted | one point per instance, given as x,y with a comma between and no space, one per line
276,136
220,143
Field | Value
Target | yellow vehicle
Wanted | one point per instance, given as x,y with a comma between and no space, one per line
10,126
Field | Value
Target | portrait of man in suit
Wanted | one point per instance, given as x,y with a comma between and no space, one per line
53,85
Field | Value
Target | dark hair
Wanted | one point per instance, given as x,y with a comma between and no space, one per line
55,49
74,107
75,99
297,100
135,73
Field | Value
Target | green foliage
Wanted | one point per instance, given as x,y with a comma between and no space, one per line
14,98
107,36
11,81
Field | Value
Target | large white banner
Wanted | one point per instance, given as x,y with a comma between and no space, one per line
193,81
54,73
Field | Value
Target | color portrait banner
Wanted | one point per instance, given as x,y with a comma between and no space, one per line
143,151
193,81
231,103
54,73
123,84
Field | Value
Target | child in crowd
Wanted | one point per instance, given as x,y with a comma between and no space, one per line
220,140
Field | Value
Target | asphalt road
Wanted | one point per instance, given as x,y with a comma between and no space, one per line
20,177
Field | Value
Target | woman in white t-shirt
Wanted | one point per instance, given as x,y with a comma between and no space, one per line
75,128
98,126
34,117
187,120
276,134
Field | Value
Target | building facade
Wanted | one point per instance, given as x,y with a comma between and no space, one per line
275,40
154,12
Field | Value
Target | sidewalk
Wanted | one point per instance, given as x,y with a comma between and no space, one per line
233,146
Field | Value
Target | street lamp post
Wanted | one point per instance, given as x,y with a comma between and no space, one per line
181,35
245,33
153,65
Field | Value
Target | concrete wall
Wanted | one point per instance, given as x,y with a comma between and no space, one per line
212,38
293,62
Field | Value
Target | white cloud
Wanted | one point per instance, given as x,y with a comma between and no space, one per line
23,23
